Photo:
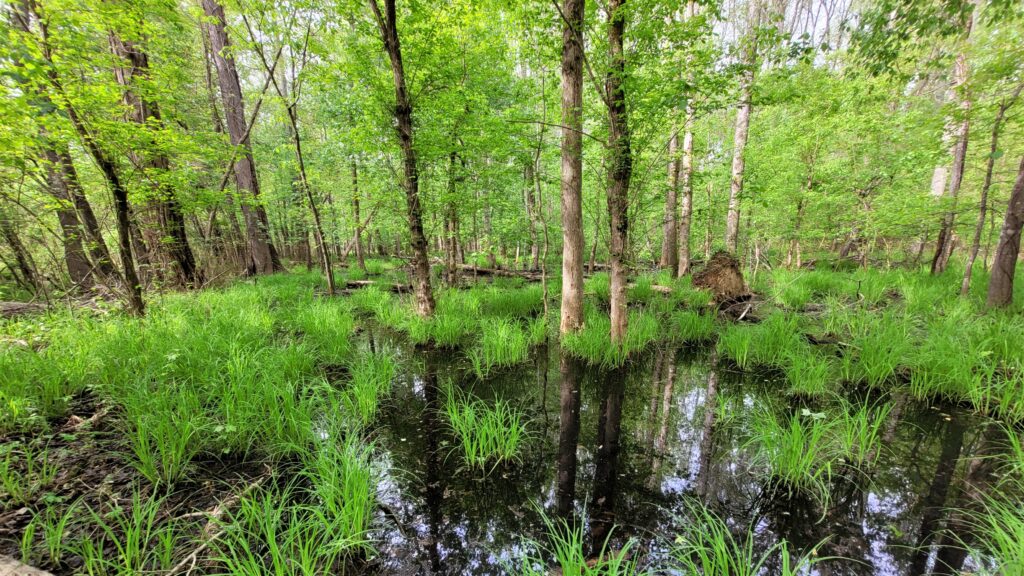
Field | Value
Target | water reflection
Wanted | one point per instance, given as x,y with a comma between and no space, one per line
569,370
630,446
606,473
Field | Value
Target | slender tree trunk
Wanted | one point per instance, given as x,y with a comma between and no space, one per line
1000,284
318,227
979,228
670,230
572,166
944,244
742,128
620,168
532,212
263,257
451,216
686,183
732,223
358,239
388,25
146,112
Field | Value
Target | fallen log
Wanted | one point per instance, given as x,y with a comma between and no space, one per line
532,275
395,288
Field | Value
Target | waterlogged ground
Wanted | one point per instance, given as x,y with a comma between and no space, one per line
266,428
632,448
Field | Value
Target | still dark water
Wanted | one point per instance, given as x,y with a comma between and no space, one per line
630,448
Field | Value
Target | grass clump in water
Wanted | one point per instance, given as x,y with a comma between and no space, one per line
371,377
711,548
486,436
593,342
344,486
797,453
566,544
502,343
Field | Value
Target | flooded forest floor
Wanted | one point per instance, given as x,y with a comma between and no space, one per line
863,422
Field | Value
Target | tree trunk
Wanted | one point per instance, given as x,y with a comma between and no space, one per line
388,25
944,244
732,224
742,128
532,212
263,257
620,168
686,182
121,208
572,166
22,258
669,237
145,113
1000,284
451,226
979,228
358,239
79,227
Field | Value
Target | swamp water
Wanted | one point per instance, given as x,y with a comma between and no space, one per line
633,448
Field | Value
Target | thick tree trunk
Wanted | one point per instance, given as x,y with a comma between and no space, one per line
22,259
572,166
979,227
620,168
174,242
83,238
1000,284
388,25
669,237
686,194
263,257
121,208
944,244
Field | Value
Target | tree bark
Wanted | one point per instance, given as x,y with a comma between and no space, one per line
121,207
669,237
358,239
686,183
1000,284
620,168
944,244
146,112
22,258
979,227
388,25
572,166
741,130
732,224
262,256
